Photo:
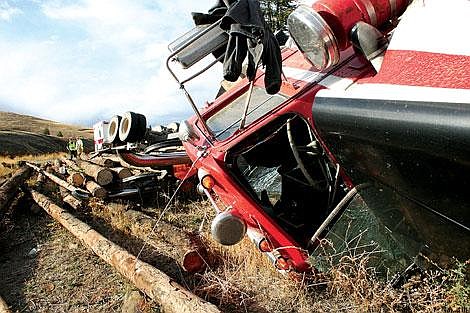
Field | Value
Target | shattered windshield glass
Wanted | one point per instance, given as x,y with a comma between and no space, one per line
265,165
380,234
265,181
226,121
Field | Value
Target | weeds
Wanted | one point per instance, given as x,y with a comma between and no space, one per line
245,279
8,164
459,287
355,283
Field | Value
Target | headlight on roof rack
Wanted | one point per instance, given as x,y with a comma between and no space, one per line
314,37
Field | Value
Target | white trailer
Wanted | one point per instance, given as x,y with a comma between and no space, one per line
100,134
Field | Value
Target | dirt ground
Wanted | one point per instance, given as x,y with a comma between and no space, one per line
43,268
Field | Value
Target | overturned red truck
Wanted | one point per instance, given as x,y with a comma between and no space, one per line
354,137
364,147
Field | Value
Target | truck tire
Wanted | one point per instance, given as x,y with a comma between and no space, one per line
113,129
133,127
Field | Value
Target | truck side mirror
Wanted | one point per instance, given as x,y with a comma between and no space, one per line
368,41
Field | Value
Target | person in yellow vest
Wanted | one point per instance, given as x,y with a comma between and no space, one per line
72,147
79,145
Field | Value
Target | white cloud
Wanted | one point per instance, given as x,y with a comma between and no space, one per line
116,64
7,11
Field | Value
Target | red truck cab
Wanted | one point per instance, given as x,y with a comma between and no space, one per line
265,165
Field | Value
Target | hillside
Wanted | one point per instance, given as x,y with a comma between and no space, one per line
18,122
24,134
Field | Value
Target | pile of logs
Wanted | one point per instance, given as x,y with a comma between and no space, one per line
83,179
171,296
93,177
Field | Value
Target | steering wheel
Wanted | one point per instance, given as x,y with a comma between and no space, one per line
298,159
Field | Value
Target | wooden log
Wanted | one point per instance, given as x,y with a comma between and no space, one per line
157,285
6,219
4,306
57,163
114,158
122,172
74,203
96,190
191,254
102,175
9,188
2,180
123,163
106,162
71,164
58,181
76,179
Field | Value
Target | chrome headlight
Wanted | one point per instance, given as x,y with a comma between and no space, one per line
228,229
314,37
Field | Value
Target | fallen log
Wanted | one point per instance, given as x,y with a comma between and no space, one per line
191,254
160,287
102,175
196,256
106,162
71,164
115,158
74,203
10,187
77,192
76,179
6,219
4,306
122,172
96,190
2,180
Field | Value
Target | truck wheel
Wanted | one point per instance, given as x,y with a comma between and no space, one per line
133,127
113,129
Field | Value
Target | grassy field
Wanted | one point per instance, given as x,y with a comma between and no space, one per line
8,163
23,135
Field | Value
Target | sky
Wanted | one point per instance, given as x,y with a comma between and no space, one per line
83,61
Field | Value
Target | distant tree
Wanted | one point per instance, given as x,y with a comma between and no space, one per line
46,131
277,11
59,134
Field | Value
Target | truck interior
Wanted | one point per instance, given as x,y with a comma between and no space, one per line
288,174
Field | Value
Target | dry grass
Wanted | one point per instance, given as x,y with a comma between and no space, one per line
246,279
61,276
237,277
243,280
9,164
23,134
18,122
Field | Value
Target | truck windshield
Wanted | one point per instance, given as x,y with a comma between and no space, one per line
225,122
